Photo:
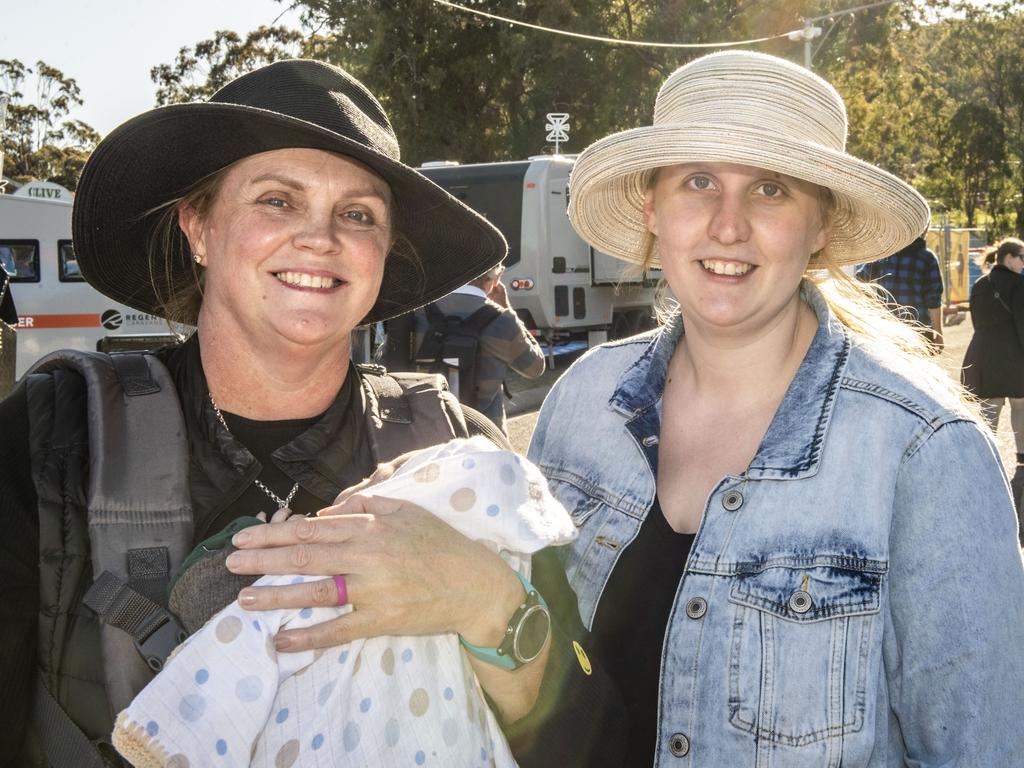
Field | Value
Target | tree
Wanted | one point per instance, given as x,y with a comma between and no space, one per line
198,72
461,87
38,141
973,144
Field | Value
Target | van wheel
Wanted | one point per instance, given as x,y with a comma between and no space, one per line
646,320
630,323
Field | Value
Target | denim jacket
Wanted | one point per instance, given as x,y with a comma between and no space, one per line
855,598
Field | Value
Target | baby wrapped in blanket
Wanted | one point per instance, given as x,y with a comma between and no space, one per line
227,698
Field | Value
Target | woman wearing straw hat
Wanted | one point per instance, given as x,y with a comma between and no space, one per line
796,545
276,218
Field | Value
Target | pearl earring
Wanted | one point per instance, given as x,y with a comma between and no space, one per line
199,258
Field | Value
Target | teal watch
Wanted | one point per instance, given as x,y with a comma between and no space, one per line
527,631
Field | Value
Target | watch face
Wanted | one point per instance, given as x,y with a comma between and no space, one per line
532,632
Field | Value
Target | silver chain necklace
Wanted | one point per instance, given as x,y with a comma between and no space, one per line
281,503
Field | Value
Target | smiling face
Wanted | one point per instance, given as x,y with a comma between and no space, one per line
734,241
294,247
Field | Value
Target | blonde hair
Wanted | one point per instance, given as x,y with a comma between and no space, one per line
861,308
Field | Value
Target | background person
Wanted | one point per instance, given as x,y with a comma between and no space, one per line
993,367
8,337
8,313
504,342
912,283
276,218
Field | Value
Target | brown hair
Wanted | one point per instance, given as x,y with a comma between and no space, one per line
179,300
1005,248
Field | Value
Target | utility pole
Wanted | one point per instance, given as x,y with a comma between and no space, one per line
810,31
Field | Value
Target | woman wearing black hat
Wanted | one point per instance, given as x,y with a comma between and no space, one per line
275,218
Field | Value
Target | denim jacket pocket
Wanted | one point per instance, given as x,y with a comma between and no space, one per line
801,649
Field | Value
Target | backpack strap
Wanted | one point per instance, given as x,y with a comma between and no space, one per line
63,741
406,411
139,508
472,326
481,318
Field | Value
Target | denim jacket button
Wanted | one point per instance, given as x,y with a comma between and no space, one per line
800,602
696,607
732,501
679,745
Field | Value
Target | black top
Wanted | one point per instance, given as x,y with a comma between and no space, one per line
610,717
629,632
262,439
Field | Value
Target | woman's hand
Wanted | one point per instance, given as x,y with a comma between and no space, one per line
407,573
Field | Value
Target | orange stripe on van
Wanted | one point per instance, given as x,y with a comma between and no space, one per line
29,322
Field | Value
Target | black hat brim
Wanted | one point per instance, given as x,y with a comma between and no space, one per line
160,154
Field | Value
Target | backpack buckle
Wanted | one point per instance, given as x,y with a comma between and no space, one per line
152,628
157,646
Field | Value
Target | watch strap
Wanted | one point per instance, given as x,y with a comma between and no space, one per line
492,655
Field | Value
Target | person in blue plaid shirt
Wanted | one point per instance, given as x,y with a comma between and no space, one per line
912,278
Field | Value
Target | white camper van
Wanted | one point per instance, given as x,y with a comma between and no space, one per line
56,308
555,281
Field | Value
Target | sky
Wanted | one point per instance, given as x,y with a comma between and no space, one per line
109,46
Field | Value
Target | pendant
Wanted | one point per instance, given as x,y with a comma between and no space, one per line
282,514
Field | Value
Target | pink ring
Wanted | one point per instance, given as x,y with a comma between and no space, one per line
339,582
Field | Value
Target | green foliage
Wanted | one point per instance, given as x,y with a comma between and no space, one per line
934,88
39,142
198,72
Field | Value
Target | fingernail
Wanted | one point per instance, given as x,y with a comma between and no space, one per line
241,538
282,643
234,561
247,597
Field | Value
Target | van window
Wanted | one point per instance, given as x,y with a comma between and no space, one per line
69,272
20,259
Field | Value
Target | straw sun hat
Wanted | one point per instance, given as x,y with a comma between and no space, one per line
751,109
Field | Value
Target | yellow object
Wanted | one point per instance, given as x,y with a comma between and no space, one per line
954,263
582,658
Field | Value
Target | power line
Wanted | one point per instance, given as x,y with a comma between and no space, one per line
598,39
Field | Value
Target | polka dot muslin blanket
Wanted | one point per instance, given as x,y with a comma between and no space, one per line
226,698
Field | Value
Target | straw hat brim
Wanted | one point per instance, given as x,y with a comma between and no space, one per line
875,215
160,154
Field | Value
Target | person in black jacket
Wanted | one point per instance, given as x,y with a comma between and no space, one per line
993,368
275,218
7,311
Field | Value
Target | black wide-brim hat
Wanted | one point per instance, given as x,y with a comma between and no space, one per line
298,103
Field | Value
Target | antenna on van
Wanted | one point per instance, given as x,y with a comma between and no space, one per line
557,128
